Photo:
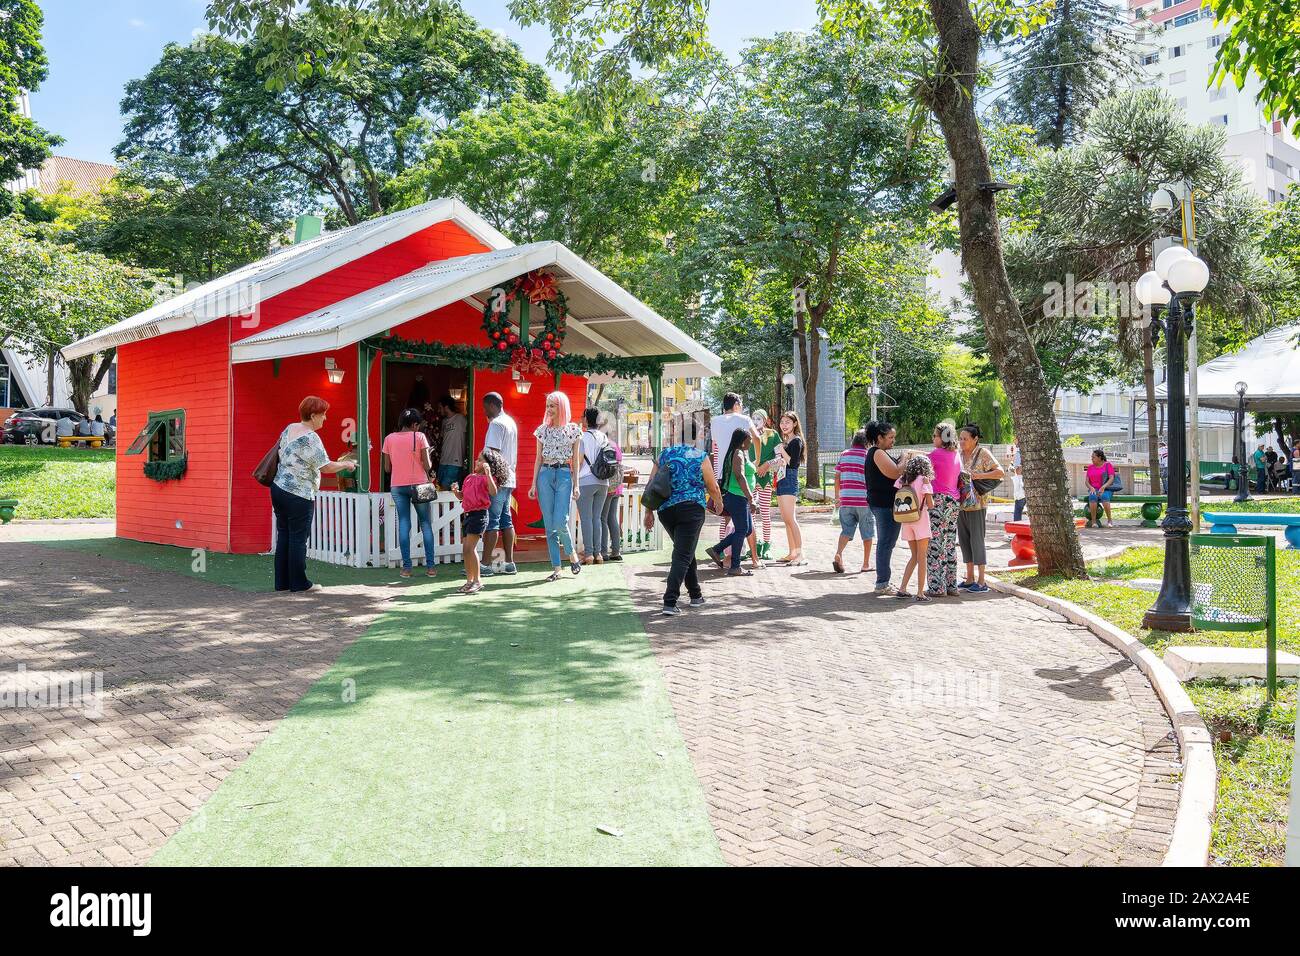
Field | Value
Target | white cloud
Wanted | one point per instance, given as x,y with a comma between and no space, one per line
135,23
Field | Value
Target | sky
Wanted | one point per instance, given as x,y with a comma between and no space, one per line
96,46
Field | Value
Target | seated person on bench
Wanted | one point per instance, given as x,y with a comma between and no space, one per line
97,427
65,428
83,428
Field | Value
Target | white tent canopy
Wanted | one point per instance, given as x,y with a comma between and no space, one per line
1270,367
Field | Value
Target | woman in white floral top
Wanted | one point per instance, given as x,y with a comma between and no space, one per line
555,478
302,461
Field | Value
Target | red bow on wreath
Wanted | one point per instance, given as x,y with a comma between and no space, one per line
527,362
537,286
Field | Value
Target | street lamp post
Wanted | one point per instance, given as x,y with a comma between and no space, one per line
1179,279
1243,483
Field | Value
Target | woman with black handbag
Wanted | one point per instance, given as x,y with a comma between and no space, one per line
407,461
680,502
292,470
980,475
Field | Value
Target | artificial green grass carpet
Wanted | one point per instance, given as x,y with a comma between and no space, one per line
504,729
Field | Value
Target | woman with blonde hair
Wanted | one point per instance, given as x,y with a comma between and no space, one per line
555,478
793,453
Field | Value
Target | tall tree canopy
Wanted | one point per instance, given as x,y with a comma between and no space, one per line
52,294
1058,73
23,144
340,129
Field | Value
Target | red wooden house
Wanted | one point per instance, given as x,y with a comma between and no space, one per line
208,379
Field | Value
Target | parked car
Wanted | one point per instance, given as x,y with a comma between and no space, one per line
35,426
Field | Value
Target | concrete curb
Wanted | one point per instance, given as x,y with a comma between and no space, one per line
1189,844
1112,553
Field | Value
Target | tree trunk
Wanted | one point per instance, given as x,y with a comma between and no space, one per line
1062,94
775,410
810,353
952,101
49,378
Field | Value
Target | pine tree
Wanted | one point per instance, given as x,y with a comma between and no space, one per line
1061,71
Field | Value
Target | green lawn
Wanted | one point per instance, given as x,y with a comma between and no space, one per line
1253,742
54,482
483,730
1285,505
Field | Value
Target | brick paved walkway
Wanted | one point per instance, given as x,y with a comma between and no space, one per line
817,717
820,725
195,676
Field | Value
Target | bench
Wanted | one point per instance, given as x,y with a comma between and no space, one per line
94,441
1152,506
1225,522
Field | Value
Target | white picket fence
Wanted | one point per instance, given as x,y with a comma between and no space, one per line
360,530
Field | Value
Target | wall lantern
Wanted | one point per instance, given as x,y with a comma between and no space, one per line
457,393
522,385
335,374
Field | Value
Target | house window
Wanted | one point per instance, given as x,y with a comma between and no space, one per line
1221,119
163,435
1217,94
1176,78
1215,41
1182,102
1176,51
1150,58
1186,18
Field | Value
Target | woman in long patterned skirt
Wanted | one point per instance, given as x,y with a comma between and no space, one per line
941,557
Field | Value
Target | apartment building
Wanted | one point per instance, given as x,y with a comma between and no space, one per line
1177,45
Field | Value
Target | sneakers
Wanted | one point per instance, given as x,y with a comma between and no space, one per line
486,570
977,589
615,557
671,610
698,602
965,585
509,568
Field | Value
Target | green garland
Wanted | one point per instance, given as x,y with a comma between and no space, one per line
166,470
472,356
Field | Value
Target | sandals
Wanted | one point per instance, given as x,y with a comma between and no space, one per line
575,567
838,565
469,588
902,595
554,576
739,573
923,598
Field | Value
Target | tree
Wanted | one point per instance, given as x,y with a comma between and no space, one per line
1095,227
23,144
1263,42
809,151
341,128
187,218
1061,71
946,38
52,294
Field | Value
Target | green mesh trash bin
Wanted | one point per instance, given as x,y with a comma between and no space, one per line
1234,588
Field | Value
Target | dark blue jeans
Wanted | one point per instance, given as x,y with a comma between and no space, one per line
886,537
293,516
741,525
404,500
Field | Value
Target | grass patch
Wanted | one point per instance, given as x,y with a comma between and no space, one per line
501,729
1288,505
54,482
1254,743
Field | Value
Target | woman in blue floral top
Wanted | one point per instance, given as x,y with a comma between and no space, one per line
682,516
302,461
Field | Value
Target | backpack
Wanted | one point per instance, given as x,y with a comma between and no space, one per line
606,465
907,505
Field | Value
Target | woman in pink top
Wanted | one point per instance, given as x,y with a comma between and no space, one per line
941,556
406,458
490,473
1101,475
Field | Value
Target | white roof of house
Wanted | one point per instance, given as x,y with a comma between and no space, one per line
1270,367
602,316
235,292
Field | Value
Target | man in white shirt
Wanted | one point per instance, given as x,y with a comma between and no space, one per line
503,437
721,430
